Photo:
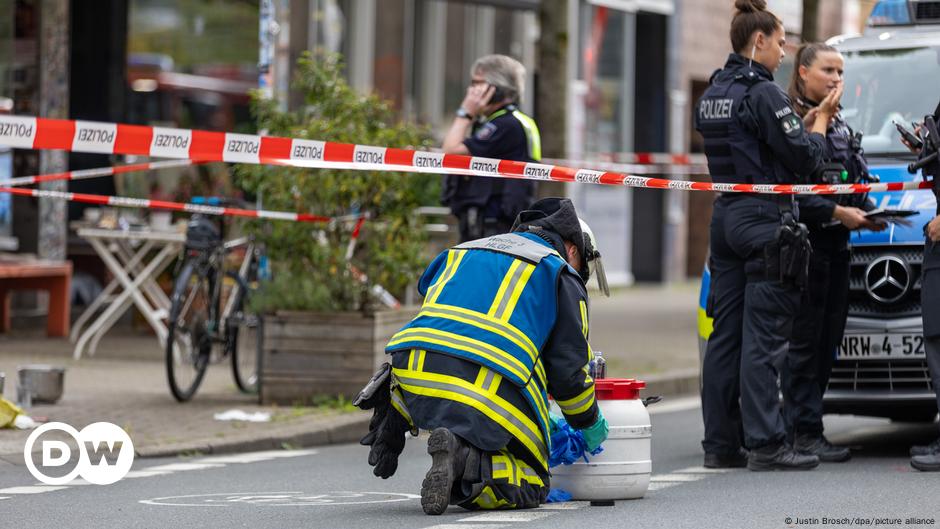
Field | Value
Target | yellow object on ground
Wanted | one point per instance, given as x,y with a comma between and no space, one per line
8,413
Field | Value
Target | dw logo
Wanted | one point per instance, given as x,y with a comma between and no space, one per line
97,444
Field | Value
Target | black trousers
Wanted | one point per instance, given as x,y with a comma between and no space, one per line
817,332
930,311
753,317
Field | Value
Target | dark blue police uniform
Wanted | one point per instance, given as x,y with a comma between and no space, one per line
820,322
488,206
752,135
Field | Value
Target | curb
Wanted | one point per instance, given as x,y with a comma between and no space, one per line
677,383
342,429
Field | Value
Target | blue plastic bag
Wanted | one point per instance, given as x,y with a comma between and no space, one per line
568,444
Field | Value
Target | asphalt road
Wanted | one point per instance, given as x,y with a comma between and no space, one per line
333,487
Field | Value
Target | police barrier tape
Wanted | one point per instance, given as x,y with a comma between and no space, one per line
81,174
204,146
125,202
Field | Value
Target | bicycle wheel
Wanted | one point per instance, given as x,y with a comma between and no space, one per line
189,342
243,340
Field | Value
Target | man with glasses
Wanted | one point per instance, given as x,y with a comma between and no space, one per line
489,124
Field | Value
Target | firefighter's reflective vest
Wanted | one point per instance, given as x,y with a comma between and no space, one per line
491,301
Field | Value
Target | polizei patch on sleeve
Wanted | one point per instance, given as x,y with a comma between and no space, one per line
485,131
792,125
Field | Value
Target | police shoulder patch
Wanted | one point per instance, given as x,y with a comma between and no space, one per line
792,125
486,131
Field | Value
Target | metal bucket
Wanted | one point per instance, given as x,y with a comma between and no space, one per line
40,383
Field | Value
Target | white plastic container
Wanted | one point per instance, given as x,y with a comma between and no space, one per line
622,470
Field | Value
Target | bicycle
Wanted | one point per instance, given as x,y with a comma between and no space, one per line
200,323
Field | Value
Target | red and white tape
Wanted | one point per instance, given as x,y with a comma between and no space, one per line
197,145
143,203
81,174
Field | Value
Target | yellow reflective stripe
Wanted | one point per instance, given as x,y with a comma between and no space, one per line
587,375
481,321
579,404
492,381
496,114
504,468
529,474
398,402
531,133
487,500
503,287
463,343
481,374
421,354
453,262
584,328
487,380
517,291
584,318
536,396
493,406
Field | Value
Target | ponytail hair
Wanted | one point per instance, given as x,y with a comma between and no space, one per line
805,56
751,16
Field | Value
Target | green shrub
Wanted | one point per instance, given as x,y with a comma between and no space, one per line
308,260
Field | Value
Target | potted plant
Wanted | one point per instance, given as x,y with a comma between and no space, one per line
324,328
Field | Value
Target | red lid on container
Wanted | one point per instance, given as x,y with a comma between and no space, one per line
618,388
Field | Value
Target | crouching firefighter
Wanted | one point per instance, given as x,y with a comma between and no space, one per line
504,324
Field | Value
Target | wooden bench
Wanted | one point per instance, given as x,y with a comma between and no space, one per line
51,276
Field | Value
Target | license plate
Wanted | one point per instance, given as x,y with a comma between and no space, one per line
881,346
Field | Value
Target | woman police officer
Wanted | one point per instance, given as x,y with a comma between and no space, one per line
757,250
820,321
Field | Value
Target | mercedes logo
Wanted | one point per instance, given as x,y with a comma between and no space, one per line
887,278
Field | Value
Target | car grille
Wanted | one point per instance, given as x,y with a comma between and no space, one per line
862,304
927,12
869,375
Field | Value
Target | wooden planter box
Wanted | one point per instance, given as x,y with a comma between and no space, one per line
310,354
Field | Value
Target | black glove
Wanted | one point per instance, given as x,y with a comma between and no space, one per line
387,428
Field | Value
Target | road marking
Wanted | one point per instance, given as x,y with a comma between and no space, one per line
662,485
563,506
507,516
4,497
146,473
465,526
280,499
34,489
672,406
253,457
702,470
679,478
183,467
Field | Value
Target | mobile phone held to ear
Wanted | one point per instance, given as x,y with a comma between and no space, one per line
498,94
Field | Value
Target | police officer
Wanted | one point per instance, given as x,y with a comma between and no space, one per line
820,321
927,458
504,323
758,252
489,124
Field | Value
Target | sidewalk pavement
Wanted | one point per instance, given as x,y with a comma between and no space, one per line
644,332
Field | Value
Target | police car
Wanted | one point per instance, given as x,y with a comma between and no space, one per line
892,73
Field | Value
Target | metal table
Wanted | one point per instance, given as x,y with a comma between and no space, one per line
126,254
